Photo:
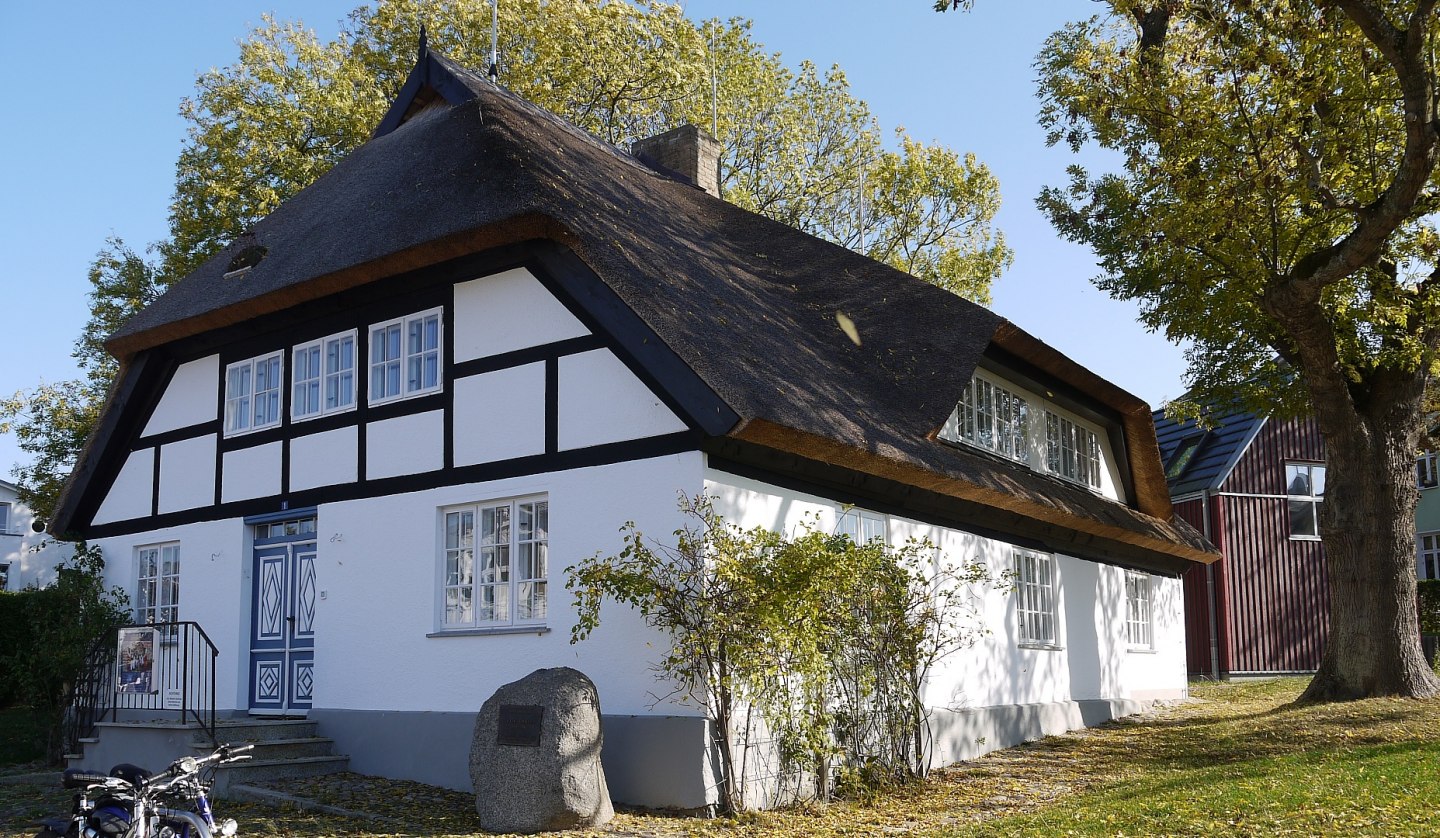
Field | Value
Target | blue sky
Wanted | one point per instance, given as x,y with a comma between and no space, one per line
90,139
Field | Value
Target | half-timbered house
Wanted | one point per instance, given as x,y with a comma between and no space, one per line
361,445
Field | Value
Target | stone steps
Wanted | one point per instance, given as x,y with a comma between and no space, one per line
283,748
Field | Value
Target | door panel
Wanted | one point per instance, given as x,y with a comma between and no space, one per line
282,626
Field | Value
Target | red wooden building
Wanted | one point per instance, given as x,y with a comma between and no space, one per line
1253,486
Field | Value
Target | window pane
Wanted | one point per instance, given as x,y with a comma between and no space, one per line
1302,518
432,332
1297,480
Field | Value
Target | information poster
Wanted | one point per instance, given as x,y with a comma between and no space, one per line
136,660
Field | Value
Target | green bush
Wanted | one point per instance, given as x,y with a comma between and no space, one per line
1428,598
45,634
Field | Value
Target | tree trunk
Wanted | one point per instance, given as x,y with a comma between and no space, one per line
1368,528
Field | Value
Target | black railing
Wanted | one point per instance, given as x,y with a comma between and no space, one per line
157,669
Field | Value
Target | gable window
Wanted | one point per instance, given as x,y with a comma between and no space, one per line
991,417
1071,452
1305,491
1035,589
252,393
495,564
1425,474
405,356
1139,617
861,525
324,376
157,592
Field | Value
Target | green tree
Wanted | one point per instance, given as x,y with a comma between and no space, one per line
1276,208
52,421
798,147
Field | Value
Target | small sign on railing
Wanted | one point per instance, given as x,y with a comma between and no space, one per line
135,659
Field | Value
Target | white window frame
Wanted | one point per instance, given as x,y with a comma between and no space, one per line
160,604
1037,599
244,404
7,520
862,525
1292,470
323,377
406,356
455,552
1427,555
1426,475
4,576
1072,451
1139,611
994,418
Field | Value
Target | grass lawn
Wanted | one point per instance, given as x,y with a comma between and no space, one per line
1240,761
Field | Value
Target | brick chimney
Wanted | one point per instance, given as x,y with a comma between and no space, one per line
685,151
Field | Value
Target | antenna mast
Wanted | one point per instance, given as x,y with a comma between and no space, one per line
714,88
494,72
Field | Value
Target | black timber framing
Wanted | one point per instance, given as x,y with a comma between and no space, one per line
800,474
597,455
612,323
135,393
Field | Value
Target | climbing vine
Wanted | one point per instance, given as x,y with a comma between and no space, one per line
807,651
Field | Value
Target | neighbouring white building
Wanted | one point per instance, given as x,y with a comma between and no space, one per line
27,557
362,445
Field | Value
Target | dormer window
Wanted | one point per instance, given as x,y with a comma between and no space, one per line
994,418
1071,452
1024,425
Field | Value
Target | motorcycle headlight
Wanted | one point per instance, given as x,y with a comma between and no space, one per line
228,827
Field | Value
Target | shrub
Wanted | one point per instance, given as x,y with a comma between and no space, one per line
45,634
1428,599
826,643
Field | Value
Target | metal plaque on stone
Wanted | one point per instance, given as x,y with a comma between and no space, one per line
519,724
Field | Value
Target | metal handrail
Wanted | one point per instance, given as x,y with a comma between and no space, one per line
176,674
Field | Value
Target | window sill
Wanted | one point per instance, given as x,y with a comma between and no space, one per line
1305,538
482,632
1140,650
1041,647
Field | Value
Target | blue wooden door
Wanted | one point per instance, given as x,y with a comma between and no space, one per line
282,622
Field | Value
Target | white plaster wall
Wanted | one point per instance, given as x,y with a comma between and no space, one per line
324,459
500,415
249,472
508,311
191,397
214,589
379,565
32,556
411,444
187,474
602,401
1093,660
130,494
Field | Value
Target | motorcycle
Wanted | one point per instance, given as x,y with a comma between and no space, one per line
130,802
